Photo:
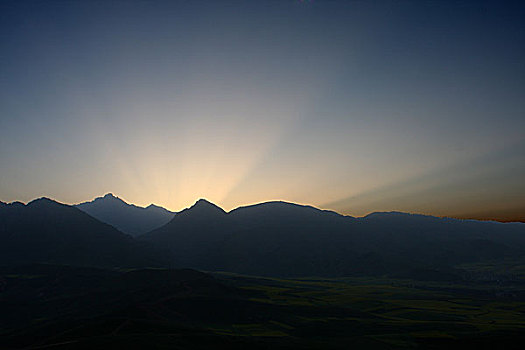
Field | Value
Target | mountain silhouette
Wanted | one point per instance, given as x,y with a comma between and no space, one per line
47,231
286,239
190,232
128,218
272,239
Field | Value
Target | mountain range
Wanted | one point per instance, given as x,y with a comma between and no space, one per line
128,218
272,239
50,232
286,239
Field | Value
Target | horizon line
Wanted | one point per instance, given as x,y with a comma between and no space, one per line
521,221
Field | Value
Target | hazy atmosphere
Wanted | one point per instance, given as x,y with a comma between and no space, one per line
353,106
262,174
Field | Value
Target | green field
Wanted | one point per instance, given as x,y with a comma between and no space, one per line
404,313
53,307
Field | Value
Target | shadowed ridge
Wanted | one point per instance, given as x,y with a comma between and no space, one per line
397,215
154,206
271,237
203,207
280,238
110,197
284,207
46,231
45,201
56,210
201,224
202,213
128,218
14,204
63,214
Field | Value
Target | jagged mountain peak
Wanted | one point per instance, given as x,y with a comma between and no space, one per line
14,204
110,197
128,218
203,201
203,205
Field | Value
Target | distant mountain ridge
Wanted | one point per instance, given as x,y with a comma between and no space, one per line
46,231
272,238
128,218
286,239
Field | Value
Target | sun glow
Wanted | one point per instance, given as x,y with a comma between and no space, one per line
327,104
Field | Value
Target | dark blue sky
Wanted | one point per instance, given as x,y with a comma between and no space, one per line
356,106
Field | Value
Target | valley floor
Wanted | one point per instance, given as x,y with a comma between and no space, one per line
59,307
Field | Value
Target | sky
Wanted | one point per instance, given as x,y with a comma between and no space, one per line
354,106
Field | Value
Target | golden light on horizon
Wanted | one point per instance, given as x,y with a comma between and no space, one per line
315,107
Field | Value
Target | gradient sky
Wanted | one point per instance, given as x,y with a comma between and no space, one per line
355,106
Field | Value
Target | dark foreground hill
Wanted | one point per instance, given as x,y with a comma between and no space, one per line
128,218
50,232
410,281
284,239
59,307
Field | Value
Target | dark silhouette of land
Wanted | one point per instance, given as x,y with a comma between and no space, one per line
128,218
50,232
64,307
285,239
270,239
275,276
